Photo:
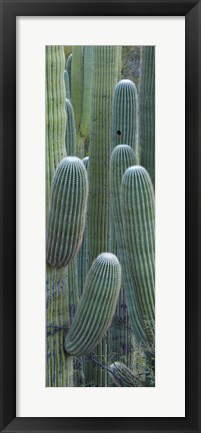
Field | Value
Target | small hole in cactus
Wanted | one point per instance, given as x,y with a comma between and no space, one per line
118,132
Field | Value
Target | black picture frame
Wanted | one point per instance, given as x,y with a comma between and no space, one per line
191,9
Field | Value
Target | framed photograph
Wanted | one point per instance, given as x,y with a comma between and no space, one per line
100,162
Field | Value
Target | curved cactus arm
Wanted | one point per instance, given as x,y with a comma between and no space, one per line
123,376
67,84
97,305
67,213
147,111
70,137
125,115
139,225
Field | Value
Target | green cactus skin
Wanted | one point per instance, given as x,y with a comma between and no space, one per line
97,305
70,137
55,113
120,62
67,213
67,84
147,111
124,377
137,198
68,69
82,257
122,158
87,84
77,83
125,115
105,72
59,367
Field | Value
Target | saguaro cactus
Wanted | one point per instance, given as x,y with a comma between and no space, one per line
105,72
87,83
147,111
68,68
55,113
138,208
123,376
70,137
67,84
77,83
67,213
105,78
122,340
82,258
125,115
97,305
59,367
122,158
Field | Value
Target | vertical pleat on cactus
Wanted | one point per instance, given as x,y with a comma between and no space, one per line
125,115
147,110
77,95
139,230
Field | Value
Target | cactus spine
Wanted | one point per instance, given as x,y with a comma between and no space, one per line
125,115
96,307
138,207
123,376
70,137
147,111
67,212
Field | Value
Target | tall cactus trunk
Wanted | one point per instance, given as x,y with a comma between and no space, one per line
55,113
147,111
105,73
58,367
